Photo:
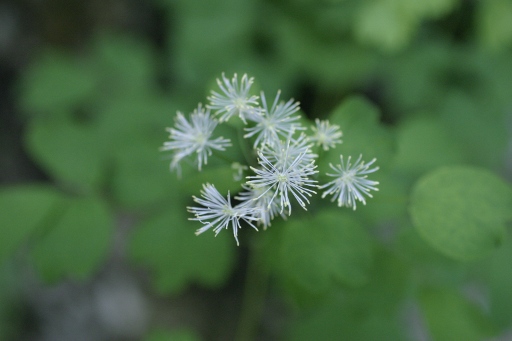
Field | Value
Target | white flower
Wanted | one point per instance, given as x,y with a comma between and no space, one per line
284,153
326,134
351,182
285,179
219,213
278,121
194,137
234,99
260,198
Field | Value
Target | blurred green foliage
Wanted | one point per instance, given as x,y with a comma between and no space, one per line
438,123
178,335
461,211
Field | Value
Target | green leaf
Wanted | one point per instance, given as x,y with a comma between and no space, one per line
168,246
315,53
56,81
450,316
71,153
23,209
425,143
142,178
222,176
389,203
77,244
334,320
495,23
385,25
430,267
385,291
413,76
362,134
485,137
134,120
370,312
391,24
461,211
330,248
324,62
124,64
203,47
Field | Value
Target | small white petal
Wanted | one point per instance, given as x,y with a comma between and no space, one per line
325,134
284,178
234,99
194,137
218,213
351,182
274,123
260,198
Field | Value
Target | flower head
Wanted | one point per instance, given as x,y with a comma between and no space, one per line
326,134
194,137
273,123
234,99
351,182
260,198
285,179
284,153
219,213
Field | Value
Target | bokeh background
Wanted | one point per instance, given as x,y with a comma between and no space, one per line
94,238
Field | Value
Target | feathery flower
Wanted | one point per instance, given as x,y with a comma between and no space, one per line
219,213
285,179
326,134
260,198
194,137
284,153
351,182
270,124
234,99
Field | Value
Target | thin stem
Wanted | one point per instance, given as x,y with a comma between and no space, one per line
320,152
244,143
222,156
256,284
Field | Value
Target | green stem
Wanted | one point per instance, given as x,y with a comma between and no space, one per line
256,283
222,156
244,143
320,152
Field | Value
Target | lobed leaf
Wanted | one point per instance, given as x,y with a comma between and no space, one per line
55,82
24,209
425,143
77,244
71,153
450,316
362,134
330,248
461,211
167,245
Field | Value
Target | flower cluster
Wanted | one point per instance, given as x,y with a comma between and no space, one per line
285,171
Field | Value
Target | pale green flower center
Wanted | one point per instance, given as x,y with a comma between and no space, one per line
321,137
348,177
282,178
269,125
227,210
201,138
239,103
